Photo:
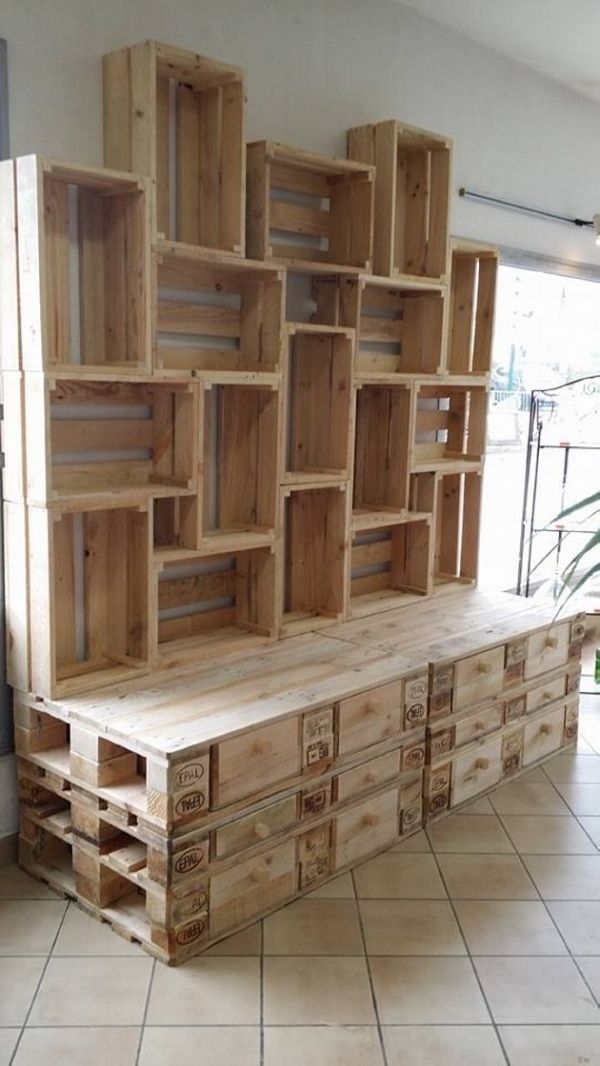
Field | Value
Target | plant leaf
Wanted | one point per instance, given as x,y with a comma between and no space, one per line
594,498
582,581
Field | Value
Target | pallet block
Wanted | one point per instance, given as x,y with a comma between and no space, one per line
315,556
389,564
449,424
216,317
454,499
412,197
473,276
305,209
81,239
179,118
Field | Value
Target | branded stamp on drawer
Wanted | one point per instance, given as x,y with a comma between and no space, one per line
512,753
413,758
442,678
575,649
573,680
438,788
514,709
571,722
415,700
440,743
314,852
514,673
440,704
516,651
315,801
411,805
317,739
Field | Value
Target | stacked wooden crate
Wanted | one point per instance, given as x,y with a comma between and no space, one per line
244,399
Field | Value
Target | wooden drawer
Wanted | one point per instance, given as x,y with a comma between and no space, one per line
478,677
547,650
367,776
370,717
367,826
255,760
543,736
252,886
477,725
476,771
260,825
540,695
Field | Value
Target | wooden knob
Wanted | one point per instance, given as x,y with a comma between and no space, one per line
260,875
483,668
370,778
370,708
479,727
546,728
546,695
262,747
551,642
482,764
261,830
370,819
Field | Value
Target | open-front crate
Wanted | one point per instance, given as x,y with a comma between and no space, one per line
86,440
389,564
210,604
308,209
178,118
315,557
454,499
82,243
449,425
382,450
472,298
88,577
216,317
412,196
319,374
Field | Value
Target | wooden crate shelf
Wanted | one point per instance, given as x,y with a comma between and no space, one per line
308,209
449,426
216,317
179,118
472,297
454,499
79,297
389,565
314,557
412,197
382,447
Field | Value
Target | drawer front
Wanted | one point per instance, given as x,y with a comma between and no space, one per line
252,762
477,725
261,825
543,736
369,775
547,650
370,717
478,676
478,770
540,695
252,886
369,825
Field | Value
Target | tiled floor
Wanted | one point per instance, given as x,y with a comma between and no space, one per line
475,944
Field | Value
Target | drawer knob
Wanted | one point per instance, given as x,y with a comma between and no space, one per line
261,830
479,727
546,695
551,642
260,875
482,764
483,668
370,777
370,708
370,819
546,728
262,747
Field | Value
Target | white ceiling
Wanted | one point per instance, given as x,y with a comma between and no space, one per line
558,38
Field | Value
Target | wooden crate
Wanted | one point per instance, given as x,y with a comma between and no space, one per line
81,240
88,441
454,499
319,374
449,425
412,197
382,450
178,118
216,317
389,564
308,209
473,276
315,557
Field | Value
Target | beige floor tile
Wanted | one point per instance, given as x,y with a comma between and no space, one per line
94,1047
591,825
547,835
494,927
536,991
314,990
314,927
80,934
28,927
477,833
8,1042
579,924
590,968
339,888
18,981
565,877
582,799
332,1046
534,776
418,991
410,927
247,942
520,797
478,806
452,1045
206,991
16,884
552,1045
399,877
211,1045
92,992
568,769
584,747
486,877
418,842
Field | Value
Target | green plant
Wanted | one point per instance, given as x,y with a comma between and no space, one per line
572,583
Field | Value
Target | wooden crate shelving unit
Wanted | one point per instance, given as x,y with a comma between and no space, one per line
472,300
454,500
315,556
389,564
449,425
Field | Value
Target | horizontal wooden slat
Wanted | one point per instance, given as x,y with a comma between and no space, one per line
193,276
379,363
184,358
182,591
432,421
380,551
176,317
99,392
360,586
194,624
298,251
385,330
100,434
81,477
298,180
296,218
377,298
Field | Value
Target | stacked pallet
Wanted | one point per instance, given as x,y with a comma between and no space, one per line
245,397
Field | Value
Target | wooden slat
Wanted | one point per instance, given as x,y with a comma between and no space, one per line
385,330
296,179
91,477
205,319
431,421
91,277
163,175
183,591
361,586
188,165
56,219
195,624
296,218
379,551
209,105
68,435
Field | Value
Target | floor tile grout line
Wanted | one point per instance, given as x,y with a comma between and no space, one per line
41,978
367,959
576,816
145,1013
469,956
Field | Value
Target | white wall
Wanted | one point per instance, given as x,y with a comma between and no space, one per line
316,67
